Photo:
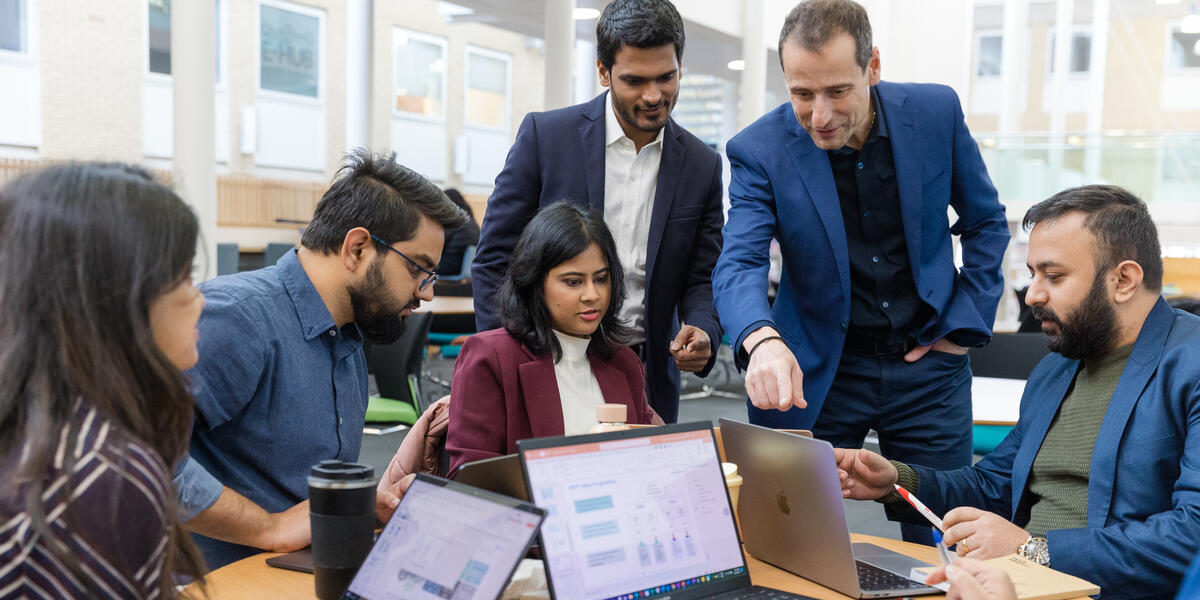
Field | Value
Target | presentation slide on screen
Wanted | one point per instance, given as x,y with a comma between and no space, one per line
634,514
442,544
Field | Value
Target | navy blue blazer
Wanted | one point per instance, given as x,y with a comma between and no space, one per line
1144,481
782,187
559,155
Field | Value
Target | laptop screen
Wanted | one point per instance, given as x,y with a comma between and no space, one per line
446,541
634,517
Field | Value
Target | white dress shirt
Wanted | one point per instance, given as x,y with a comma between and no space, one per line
629,181
578,389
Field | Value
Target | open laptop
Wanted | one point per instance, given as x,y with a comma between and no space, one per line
500,474
446,540
637,514
792,515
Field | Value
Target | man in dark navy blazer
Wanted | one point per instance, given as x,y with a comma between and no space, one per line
1099,478
657,186
854,178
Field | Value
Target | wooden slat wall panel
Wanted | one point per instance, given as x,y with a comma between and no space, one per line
241,201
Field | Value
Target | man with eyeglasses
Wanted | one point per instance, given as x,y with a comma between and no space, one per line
282,380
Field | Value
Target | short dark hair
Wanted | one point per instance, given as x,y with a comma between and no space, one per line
1118,220
557,234
373,191
639,24
813,23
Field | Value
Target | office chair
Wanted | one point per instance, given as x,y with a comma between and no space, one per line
397,369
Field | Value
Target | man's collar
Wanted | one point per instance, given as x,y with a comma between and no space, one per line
612,126
315,318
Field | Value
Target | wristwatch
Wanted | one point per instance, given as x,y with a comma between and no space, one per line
1035,549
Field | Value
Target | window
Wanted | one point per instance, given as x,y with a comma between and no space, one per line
419,74
1080,60
289,51
1185,50
988,55
14,35
487,88
158,36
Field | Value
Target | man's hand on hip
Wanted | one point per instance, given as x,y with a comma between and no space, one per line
773,377
942,345
864,475
691,349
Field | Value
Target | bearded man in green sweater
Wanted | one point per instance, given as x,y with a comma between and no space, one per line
1100,477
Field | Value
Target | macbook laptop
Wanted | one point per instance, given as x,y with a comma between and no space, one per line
792,515
500,474
446,540
637,514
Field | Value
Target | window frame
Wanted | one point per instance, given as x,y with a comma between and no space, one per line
30,54
507,59
322,49
977,54
427,38
222,75
1048,71
1172,27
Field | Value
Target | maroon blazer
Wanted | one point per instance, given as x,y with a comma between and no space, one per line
502,392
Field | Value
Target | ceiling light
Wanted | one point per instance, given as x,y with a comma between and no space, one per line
736,64
1190,24
583,14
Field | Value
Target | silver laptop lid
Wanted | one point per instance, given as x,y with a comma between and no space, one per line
791,504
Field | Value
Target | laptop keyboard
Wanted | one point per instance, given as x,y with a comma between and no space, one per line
872,578
761,593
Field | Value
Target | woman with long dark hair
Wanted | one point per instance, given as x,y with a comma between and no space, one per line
561,351
97,320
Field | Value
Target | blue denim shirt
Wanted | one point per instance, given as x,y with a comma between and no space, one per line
279,388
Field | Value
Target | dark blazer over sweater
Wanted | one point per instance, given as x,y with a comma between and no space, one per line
502,392
559,155
1143,500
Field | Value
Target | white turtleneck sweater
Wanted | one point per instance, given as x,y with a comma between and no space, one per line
578,389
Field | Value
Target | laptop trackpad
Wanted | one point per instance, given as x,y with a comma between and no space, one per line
885,559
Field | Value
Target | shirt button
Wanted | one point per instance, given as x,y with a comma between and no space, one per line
867,213
332,332
885,304
860,166
874,259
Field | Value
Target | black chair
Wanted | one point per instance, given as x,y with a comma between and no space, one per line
397,369
1008,356
227,259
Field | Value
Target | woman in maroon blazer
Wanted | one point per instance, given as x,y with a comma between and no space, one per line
561,351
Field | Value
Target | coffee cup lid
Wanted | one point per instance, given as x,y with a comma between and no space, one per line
342,471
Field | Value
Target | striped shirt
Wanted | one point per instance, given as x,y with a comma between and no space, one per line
108,510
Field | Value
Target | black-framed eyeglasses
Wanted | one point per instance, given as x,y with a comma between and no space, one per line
430,276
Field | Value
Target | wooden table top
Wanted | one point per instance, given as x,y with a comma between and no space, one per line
252,579
448,304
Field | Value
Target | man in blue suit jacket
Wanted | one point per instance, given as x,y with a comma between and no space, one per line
657,186
854,179
1099,477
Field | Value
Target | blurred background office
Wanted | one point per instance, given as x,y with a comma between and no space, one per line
1057,93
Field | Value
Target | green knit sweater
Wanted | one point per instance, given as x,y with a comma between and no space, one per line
1058,482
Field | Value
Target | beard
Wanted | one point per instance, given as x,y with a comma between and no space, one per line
376,312
630,114
1089,332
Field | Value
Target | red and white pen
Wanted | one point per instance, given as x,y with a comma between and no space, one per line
921,508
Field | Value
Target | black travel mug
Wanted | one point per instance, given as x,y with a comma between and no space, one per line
342,513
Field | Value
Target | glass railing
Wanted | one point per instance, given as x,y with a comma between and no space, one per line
1161,168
